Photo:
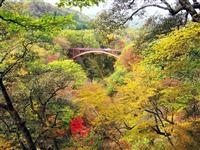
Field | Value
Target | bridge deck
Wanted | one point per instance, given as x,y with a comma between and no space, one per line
94,49
76,52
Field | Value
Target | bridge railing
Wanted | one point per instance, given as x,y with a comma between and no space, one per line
76,51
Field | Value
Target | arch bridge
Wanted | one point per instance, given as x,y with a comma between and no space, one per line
77,52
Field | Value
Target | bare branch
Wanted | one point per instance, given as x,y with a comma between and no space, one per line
150,111
190,9
158,131
141,8
168,6
128,127
131,3
164,117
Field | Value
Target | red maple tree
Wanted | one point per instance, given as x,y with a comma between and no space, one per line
78,128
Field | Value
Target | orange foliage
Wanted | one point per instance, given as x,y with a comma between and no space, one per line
53,57
115,145
121,44
69,91
129,58
171,82
51,118
124,145
60,132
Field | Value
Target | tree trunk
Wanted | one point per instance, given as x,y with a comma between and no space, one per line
16,118
190,9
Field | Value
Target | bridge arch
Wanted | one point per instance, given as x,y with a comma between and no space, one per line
97,52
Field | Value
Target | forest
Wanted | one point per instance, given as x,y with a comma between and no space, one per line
146,97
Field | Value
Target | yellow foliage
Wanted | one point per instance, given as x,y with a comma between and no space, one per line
172,51
5,144
185,135
152,91
42,52
23,72
103,107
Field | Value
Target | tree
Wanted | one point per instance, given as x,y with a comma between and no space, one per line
25,111
79,3
1,2
163,85
28,99
80,38
104,115
158,25
123,11
154,104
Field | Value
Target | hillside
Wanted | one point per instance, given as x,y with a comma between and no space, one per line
40,8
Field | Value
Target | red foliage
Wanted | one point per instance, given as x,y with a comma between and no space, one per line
77,127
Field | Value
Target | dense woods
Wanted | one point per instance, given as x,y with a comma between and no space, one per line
148,98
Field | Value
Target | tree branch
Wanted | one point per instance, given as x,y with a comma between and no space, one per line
128,127
141,8
184,5
53,94
150,111
27,24
8,52
3,106
6,124
1,2
131,3
33,109
16,62
12,20
191,9
168,6
16,117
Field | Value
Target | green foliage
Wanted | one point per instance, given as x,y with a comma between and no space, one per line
68,114
158,25
46,22
116,79
72,71
97,66
42,96
40,89
80,38
79,3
